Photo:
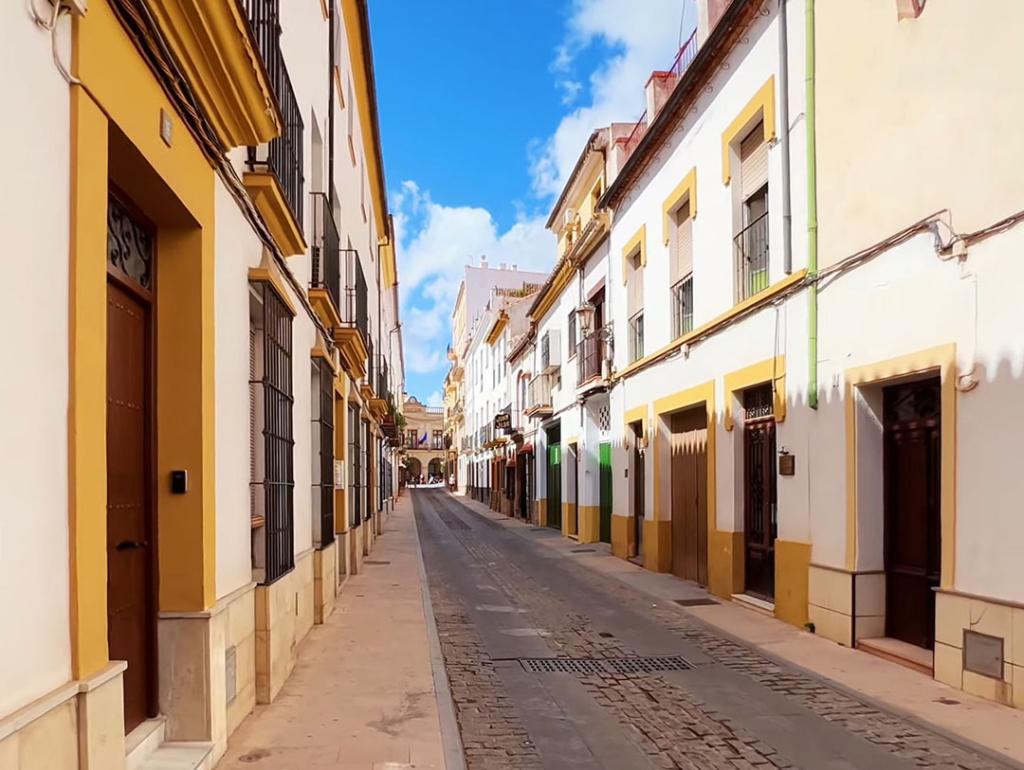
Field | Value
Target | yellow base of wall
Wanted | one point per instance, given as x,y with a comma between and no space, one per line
792,565
956,612
325,581
79,726
657,545
284,615
725,563
623,537
590,524
542,513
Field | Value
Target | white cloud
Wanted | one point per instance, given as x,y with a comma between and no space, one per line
435,399
646,37
435,243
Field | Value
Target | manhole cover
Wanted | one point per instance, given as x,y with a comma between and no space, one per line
375,561
583,550
648,665
587,666
694,602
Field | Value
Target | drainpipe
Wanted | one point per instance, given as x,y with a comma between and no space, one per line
331,53
812,217
787,213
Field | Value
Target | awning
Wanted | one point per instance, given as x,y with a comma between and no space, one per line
526,449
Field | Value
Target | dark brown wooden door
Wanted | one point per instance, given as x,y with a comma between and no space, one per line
639,493
759,517
689,496
912,509
130,615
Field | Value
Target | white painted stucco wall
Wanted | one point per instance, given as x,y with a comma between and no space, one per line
35,655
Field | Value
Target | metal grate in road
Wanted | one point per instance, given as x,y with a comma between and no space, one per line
587,666
564,665
648,665
694,602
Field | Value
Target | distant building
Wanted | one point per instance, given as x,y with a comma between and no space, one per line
423,442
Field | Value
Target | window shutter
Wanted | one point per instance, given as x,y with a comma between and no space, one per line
753,162
681,255
635,291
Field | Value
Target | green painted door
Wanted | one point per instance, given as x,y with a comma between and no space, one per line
605,458
555,486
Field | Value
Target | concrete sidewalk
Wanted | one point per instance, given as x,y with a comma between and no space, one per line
362,696
961,717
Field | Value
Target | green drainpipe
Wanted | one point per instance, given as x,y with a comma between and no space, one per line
812,218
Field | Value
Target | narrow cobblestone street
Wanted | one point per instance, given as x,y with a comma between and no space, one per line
501,601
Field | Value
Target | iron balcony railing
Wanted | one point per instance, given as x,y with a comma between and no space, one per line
591,352
371,363
687,53
326,273
353,309
751,245
539,393
636,337
283,154
682,307
383,385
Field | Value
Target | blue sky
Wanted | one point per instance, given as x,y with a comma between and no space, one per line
484,108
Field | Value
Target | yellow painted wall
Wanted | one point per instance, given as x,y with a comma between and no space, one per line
885,158
792,568
623,538
725,563
174,186
589,523
658,545
88,394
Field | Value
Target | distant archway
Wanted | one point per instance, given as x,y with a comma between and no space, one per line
435,467
413,468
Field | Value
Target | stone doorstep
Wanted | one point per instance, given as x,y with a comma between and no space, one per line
754,603
181,756
902,653
143,741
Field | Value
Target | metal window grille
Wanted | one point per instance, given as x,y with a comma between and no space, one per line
355,468
275,386
571,332
751,246
682,306
636,337
325,425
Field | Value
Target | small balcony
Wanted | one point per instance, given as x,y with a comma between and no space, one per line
274,176
636,337
592,351
538,396
325,276
352,334
751,248
682,307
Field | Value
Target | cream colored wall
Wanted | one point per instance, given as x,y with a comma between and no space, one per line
916,116
35,642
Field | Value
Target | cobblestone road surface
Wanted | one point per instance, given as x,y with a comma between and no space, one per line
500,597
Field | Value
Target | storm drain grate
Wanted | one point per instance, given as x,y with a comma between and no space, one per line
376,561
563,665
586,666
583,550
452,521
648,665
694,602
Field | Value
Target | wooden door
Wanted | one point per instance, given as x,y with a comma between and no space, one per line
130,552
689,495
912,454
555,485
639,493
605,460
760,527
